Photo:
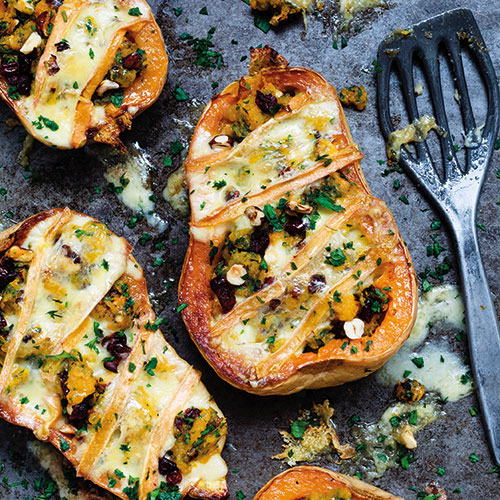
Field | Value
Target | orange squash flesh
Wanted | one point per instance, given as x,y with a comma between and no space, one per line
308,483
82,118
266,342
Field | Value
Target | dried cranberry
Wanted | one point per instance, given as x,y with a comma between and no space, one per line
259,241
18,74
296,226
316,283
167,468
116,345
267,102
192,413
7,272
63,379
71,254
112,365
274,304
80,412
132,61
26,338
224,292
3,326
296,292
62,46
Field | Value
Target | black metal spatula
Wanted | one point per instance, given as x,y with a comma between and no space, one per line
455,191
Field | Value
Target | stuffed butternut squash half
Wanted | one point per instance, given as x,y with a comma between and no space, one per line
315,483
79,70
295,277
85,367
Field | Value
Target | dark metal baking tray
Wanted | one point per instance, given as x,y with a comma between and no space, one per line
58,178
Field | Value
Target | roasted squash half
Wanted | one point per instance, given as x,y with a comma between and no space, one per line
85,367
296,276
315,483
79,70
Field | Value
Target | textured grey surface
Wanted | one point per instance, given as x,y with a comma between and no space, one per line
57,178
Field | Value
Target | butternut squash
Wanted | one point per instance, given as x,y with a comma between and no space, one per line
315,483
296,276
80,70
86,368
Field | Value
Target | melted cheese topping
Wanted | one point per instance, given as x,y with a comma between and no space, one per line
278,150
267,329
89,35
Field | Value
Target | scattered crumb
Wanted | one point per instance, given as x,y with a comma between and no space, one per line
354,96
433,489
419,89
312,437
23,158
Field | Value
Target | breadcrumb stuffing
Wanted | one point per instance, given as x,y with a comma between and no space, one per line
318,440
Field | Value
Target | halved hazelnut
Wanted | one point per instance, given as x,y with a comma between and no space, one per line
354,329
235,275
221,141
255,215
407,439
300,208
107,85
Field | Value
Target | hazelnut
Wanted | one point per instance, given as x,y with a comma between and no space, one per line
221,141
235,274
301,208
107,85
255,215
407,439
354,329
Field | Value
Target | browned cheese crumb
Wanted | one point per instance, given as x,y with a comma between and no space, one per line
409,390
354,96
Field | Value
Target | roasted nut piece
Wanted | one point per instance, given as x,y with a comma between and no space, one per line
235,275
354,329
301,208
221,141
107,85
407,439
409,390
255,214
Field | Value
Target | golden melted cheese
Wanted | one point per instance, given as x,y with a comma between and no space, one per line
278,150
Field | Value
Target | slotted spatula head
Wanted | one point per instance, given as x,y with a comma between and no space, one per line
398,52
455,190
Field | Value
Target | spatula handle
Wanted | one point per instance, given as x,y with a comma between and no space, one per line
483,331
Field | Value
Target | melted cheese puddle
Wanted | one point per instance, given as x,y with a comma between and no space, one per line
443,369
349,9
132,178
175,192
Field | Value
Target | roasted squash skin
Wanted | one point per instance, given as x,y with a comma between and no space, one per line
286,367
316,483
101,383
65,105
